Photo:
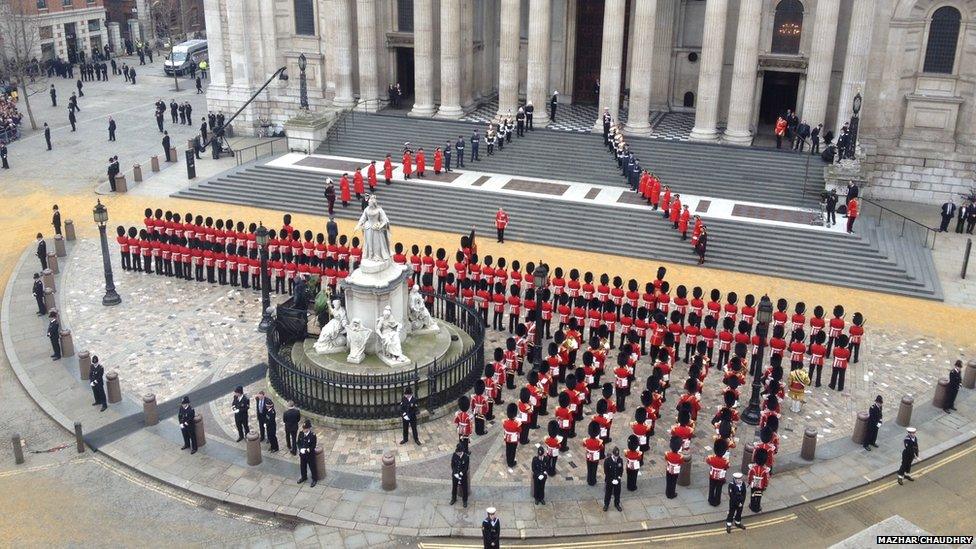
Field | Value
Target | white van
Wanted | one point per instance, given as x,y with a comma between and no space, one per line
185,55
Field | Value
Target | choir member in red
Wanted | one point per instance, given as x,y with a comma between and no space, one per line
674,214
407,163
421,162
683,220
438,161
655,192
666,201
388,169
357,181
371,176
344,194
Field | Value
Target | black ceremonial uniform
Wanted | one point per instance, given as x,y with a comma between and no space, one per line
96,378
185,418
240,406
306,455
459,477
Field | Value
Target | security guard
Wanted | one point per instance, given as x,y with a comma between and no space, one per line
460,464
96,378
185,418
306,453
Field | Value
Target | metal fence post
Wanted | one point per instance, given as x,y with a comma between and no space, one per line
965,259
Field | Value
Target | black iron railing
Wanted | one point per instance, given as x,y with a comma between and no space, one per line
914,230
364,396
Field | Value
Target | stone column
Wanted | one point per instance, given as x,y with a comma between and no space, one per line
467,54
450,60
611,60
821,62
508,56
114,35
369,86
423,58
710,74
739,130
540,25
135,34
642,63
342,27
663,37
215,45
856,60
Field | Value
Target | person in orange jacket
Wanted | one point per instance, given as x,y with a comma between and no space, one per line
853,209
675,212
683,222
780,131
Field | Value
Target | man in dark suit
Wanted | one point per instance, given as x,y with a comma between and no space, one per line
111,129
96,378
948,210
54,96
240,405
47,135
292,417
54,334
166,146
971,219
71,118
408,415
802,133
613,471
962,212
553,104
270,424
260,407
187,429
306,453
852,192
874,423
952,390
41,251
815,139
38,291
56,219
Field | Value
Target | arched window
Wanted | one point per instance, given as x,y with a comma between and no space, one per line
940,53
689,99
787,27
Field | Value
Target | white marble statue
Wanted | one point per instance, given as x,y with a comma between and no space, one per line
419,316
358,335
388,332
376,232
333,336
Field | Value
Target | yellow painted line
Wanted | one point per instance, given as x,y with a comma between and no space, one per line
618,543
37,468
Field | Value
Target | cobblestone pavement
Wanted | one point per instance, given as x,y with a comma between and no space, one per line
208,333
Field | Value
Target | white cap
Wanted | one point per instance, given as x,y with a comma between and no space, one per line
737,476
490,510
911,430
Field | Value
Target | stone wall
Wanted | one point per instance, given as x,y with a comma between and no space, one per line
918,176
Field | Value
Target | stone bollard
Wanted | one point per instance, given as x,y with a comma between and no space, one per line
172,155
253,442
120,185
940,393
860,428
84,365
154,163
905,411
69,230
18,447
49,299
389,471
114,391
47,278
149,411
809,448
320,461
79,440
59,248
52,262
969,375
747,457
137,173
198,427
67,344
684,474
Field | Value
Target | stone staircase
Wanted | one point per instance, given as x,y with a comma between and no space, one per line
740,173
872,260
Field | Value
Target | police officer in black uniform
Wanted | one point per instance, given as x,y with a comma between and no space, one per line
271,424
408,415
240,405
306,453
460,463
185,418
874,423
613,471
955,380
540,472
96,378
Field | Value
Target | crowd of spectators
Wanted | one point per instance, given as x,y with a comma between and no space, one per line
10,117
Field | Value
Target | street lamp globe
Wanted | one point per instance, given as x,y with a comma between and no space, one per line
100,213
765,312
261,235
539,275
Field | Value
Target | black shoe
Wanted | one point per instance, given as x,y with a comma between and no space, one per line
104,407
240,439
875,445
909,477
537,502
57,358
403,442
728,528
605,507
294,453
740,526
193,451
946,410
184,447
866,447
619,508
543,502
952,408
275,450
464,504
453,501
417,442
94,404
301,480
312,485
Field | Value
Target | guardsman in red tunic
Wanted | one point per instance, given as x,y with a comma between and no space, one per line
553,443
511,428
479,407
438,161
344,194
407,163
780,316
817,324
633,459
123,248
817,353
683,220
621,382
421,162
672,467
501,221
593,447
565,420
841,357
718,467
371,176
525,414
462,421
491,391
758,480
675,211
797,349
500,374
388,169
855,333
357,182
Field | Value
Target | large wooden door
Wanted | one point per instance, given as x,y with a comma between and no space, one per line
589,48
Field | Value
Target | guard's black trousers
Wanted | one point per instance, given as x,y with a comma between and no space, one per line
591,467
670,485
631,480
715,492
510,448
755,501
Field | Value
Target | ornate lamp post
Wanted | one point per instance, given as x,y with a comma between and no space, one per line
100,213
261,237
763,315
539,276
303,85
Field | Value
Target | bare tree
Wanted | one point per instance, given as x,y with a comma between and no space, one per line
20,43
169,26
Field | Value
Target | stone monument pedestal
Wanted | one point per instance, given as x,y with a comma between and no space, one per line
307,130
372,287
